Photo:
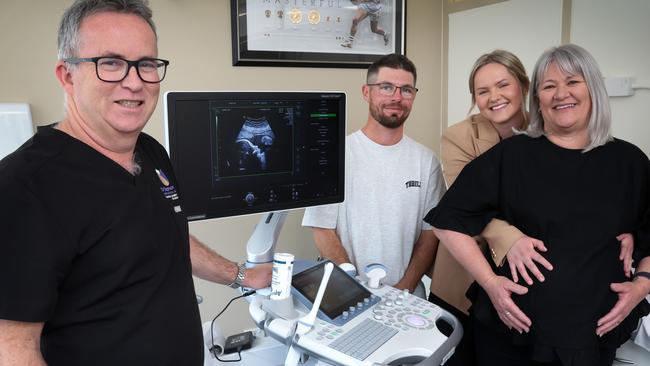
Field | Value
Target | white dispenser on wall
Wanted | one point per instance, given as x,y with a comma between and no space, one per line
15,126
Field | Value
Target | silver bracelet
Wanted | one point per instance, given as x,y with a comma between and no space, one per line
239,279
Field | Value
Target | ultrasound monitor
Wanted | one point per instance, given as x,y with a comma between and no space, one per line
237,153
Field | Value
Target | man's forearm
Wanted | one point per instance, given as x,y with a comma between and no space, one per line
329,245
209,265
20,343
422,257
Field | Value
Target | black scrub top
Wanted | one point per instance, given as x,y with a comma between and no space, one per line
99,255
576,203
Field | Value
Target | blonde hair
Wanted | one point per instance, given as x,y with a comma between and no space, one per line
514,67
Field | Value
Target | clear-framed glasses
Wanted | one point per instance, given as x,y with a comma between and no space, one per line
115,69
388,89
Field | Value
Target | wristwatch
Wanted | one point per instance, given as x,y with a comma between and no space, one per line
239,279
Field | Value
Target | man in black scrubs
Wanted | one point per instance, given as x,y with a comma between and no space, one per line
96,260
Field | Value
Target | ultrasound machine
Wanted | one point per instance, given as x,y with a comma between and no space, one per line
245,152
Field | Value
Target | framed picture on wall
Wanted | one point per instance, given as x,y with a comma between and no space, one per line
316,33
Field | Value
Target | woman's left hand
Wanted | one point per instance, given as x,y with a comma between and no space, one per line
629,295
627,248
524,256
500,290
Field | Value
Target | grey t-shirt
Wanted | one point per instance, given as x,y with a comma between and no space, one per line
388,191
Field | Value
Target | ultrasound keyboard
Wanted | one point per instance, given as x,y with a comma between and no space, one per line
364,339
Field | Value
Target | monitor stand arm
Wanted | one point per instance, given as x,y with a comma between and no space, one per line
261,244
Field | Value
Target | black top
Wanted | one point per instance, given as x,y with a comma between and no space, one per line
576,203
99,255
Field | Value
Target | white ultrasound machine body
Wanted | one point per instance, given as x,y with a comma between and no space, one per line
361,325
354,325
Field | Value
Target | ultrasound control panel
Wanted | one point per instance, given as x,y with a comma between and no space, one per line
392,327
401,328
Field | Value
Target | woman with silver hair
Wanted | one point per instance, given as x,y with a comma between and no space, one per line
566,181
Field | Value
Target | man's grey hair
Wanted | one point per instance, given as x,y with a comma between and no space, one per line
573,60
68,37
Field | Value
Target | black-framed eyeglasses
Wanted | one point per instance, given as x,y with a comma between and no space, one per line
388,89
115,69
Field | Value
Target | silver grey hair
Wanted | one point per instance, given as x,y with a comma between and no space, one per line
573,60
68,37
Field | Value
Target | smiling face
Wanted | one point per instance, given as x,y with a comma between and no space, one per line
389,111
108,111
564,101
498,95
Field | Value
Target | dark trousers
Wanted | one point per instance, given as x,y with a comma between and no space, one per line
464,354
496,349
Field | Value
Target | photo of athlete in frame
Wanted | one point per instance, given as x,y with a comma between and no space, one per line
366,9
316,33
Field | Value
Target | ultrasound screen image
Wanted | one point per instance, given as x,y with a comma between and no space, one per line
255,140
251,140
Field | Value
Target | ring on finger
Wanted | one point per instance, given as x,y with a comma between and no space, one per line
507,313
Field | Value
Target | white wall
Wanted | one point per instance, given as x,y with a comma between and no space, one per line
509,25
616,33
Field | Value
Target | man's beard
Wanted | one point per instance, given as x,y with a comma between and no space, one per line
390,121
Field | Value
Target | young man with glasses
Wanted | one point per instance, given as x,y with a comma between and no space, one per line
391,182
96,260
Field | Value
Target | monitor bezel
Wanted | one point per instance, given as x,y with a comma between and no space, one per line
170,142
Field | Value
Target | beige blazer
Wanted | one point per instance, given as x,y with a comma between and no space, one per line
461,143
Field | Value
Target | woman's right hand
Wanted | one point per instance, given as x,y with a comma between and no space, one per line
500,290
522,257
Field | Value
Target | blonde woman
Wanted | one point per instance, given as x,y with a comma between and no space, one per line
498,84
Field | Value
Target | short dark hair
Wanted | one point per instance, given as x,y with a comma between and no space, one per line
68,38
393,61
